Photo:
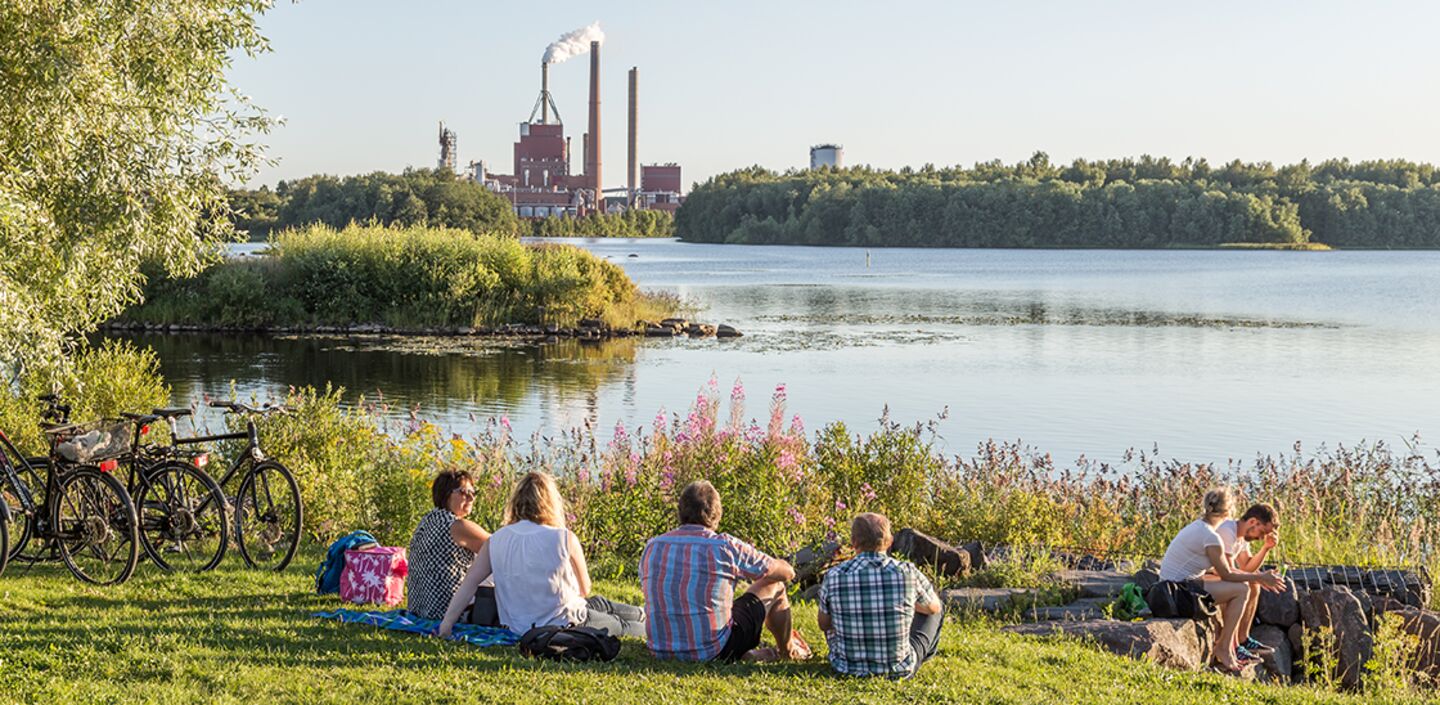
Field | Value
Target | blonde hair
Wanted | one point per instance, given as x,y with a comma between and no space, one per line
536,498
1217,502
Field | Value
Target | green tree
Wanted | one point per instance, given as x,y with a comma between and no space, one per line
117,132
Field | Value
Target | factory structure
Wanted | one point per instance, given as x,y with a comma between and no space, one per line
541,183
831,155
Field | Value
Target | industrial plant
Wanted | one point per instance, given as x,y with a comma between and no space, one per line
541,183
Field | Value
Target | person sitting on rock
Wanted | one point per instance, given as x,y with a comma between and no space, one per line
880,615
1258,523
688,576
1196,558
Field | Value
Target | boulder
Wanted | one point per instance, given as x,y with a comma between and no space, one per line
1280,609
1175,643
978,561
1278,666
591,323
1077,611
810,562
1296,636
726,331
923,549
1424,625
700,330
1095,583
675,323
659,332
988,600
1339,610
1145,578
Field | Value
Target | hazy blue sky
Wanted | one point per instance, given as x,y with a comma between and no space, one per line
723,85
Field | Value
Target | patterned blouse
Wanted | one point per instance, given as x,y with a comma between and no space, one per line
437,565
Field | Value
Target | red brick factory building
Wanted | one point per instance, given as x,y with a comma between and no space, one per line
541,184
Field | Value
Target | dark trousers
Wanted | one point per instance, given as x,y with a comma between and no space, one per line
483,611
925,636
614,618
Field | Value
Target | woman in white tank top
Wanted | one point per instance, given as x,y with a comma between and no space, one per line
541,578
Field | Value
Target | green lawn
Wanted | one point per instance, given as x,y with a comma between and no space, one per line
236,636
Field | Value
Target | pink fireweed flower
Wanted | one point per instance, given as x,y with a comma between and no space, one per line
796,515
583,474
867,492
840,505
797,427
505,422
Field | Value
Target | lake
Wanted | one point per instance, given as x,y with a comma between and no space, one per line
1209,355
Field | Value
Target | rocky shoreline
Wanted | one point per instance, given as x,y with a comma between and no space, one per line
588,329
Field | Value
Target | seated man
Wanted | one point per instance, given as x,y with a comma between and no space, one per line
688,576
1257,523
880,615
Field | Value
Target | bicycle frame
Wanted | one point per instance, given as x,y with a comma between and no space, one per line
252,452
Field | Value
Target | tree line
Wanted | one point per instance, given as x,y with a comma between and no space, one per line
1122,203
433,198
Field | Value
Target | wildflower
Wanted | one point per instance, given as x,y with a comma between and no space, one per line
867,492
796,515
505,422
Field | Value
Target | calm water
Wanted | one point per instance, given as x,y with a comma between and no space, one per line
1208,354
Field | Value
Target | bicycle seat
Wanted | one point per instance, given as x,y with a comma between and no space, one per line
175,413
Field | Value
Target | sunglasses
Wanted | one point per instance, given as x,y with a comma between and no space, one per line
463,492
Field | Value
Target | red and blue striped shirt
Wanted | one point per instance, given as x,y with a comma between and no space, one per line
688,576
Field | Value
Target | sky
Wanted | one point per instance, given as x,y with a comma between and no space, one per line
362,84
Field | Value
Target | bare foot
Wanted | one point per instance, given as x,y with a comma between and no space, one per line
799,649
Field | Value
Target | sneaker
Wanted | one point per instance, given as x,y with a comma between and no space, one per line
1244,657
1256,647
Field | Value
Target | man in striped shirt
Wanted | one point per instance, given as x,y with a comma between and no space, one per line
880,616
688,576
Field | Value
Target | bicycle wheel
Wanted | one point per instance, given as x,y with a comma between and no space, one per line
95,527
268,516
4,537
21,524
182,517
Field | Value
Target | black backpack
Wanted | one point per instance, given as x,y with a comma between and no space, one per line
1172,600
569,644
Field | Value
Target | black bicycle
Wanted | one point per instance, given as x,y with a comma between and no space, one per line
267,509
78,513
182,509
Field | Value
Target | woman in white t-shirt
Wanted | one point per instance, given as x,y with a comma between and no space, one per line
1197,558
541,578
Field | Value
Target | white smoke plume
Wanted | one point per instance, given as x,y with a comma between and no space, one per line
573,43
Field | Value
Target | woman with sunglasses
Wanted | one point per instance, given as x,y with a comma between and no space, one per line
444,545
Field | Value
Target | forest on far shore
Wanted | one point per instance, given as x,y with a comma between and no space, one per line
1147,202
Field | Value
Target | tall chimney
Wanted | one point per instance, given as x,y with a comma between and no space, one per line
592,155
634,129
544,93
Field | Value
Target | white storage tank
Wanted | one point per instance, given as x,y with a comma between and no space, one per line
831,155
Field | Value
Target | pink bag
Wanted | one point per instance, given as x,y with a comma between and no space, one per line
374,575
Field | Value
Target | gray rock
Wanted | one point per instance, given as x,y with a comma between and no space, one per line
1296,636
726,331
1280,609
990,600
1077,611
1278,666
700,330
1175,643
810,562
1338,609
1145,578
1095,583
659,332
978,561
1424,625
923,549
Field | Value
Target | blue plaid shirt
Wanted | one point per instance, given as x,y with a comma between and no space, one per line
871,601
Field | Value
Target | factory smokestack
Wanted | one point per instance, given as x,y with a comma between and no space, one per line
592,155
544,92
634,130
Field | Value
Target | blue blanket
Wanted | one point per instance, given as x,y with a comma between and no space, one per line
403,621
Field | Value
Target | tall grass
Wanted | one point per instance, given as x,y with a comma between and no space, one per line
401,277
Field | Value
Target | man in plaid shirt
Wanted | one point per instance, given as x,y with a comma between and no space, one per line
880,615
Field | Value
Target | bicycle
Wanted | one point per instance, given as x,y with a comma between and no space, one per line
83,516
181,509
267,510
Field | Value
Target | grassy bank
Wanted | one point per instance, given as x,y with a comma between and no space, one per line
238,636
631,223
400,277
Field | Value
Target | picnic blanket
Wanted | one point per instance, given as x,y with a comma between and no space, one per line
403,621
